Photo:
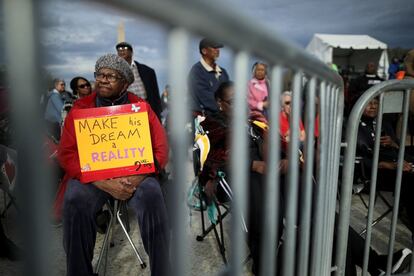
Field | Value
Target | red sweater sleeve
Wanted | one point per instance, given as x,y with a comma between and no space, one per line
68,150
158,138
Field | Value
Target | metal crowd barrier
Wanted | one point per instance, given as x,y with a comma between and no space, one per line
348,171
308,223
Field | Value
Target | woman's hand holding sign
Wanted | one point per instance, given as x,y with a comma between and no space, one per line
121,188
115,188
133,180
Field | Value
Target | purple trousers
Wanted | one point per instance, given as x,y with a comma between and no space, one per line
81,204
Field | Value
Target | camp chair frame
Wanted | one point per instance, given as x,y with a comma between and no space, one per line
361,181
202,146
218,234
118,213
201,149
365,181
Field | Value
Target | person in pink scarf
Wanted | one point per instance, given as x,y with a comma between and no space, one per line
258,89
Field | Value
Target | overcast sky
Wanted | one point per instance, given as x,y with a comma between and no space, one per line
77,33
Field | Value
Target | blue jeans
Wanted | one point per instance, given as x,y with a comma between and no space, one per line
81,204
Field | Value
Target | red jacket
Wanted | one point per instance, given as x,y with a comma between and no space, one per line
68,149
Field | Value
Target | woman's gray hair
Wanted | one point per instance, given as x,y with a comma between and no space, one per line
57,80
282,96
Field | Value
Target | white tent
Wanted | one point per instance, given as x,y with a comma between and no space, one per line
350,51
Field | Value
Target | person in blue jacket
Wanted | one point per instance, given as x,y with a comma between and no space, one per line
205,77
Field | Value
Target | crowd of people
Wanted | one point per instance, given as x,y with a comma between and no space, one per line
218,126
119,80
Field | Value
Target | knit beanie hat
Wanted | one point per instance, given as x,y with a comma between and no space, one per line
117,63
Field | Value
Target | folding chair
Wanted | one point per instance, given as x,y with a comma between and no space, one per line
118,212
196,198
201,149
362,182
360,185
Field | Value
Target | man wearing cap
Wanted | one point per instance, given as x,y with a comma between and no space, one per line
205,77
145,81
83,200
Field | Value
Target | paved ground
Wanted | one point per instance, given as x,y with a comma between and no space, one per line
204,258
380,233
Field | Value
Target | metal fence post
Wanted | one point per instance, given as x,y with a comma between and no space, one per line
348,168
307,179
239,163
33,185
272,191
292,183
178,42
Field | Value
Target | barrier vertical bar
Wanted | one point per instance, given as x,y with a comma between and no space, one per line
315,269
397,192
337,143
178,45
239,164
338,114
325,176
305,220
291,185
272,190
373,187
33,185
330,183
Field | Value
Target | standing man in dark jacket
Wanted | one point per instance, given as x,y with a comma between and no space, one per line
205,77
145,84
364,82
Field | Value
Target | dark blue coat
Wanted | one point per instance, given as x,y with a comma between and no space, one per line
202,86
149,80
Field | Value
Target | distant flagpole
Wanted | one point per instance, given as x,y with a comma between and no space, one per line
121,32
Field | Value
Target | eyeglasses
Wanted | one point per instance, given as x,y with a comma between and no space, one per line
122,48
84,85
287,103
109,77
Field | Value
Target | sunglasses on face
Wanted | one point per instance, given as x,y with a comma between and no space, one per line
123,48
287,103
84,85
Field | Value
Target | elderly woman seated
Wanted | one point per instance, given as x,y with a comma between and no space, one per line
388,157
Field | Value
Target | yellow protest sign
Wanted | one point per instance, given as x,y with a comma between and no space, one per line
113,141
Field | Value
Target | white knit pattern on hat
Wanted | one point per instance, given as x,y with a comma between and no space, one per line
114,62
